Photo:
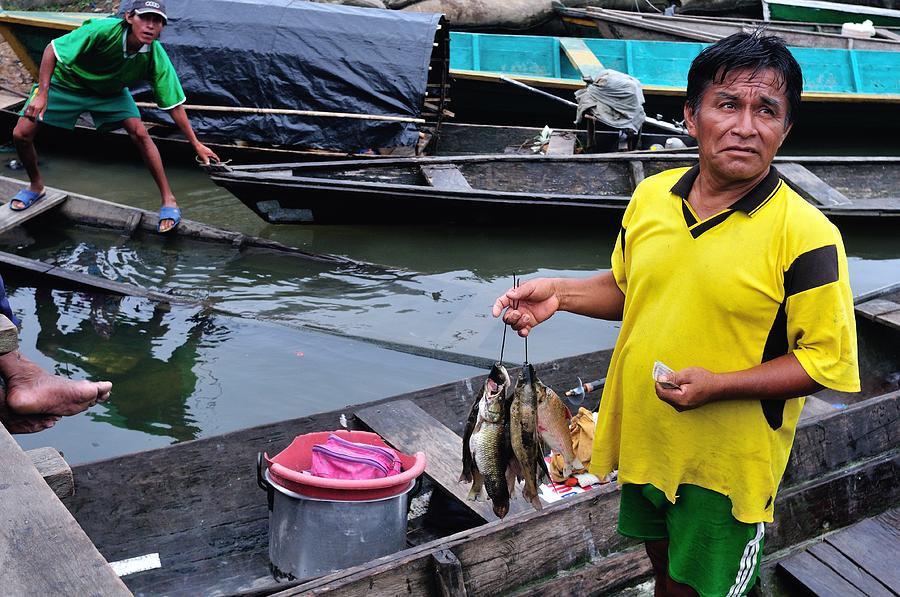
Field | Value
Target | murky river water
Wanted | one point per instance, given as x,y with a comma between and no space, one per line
264,336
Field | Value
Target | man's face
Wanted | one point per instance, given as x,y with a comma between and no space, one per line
740,124
146,27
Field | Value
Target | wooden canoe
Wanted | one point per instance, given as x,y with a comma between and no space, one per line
616,24
197,504
576,189
84,210
822,11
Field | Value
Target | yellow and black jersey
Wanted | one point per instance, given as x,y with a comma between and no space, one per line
761,279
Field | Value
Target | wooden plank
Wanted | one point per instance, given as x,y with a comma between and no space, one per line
10,219
43,550
848,569
9,335
830,442
561,143
54,469
874,546
410,429
581,56
20,50
872,309
445,176
817,577
815,407
891,319
887,34
809,186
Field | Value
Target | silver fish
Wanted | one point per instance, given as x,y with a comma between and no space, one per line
526,445
486,449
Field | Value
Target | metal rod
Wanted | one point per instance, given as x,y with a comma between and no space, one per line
243,110
672,128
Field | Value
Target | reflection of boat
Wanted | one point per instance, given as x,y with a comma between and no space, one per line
197,504
615,24
822,11
574,189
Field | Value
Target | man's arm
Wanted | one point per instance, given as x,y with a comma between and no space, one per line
778,379
537,300
38,105
179,115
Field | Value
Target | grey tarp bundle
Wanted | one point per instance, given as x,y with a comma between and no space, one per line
293,54
615,99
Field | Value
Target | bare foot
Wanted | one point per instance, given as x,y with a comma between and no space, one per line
23,423
32,391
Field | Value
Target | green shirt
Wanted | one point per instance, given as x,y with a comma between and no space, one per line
93,59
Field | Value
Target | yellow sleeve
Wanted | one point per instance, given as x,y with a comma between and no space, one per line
820,317
619,255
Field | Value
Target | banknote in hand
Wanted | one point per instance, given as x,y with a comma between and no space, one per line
659,369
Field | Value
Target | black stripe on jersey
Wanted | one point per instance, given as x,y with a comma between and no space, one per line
689,218
710,223
812,269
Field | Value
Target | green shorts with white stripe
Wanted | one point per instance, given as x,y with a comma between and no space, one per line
709,549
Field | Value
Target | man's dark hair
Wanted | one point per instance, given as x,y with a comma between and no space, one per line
754,51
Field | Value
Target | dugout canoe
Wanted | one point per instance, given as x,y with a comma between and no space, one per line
197,504
619,24
822,11
78,210
487,189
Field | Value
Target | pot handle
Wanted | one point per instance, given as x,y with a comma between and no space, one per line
261,480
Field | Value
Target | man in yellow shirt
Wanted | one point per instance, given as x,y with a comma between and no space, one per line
726,275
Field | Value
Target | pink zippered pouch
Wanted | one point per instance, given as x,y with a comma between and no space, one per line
338,458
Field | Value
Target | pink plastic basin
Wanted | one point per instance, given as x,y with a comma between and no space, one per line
286,469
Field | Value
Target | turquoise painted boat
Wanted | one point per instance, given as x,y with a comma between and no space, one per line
822,11
829,75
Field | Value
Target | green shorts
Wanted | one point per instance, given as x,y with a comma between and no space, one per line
64,106
709,549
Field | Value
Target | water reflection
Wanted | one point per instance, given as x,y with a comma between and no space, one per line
149,353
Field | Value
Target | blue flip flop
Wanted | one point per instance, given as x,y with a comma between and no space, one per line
27,197
169,213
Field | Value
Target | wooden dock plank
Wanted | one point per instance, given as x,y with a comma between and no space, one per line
848,570
817,577
43,550
10,219
811,187
581,56
410,429
874,546
445,176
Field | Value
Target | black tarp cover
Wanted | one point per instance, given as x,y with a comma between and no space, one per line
299,55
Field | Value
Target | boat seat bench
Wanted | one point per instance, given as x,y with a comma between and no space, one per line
859,560
445,176
410,429
9,219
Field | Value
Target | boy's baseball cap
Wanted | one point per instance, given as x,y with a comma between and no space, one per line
144,6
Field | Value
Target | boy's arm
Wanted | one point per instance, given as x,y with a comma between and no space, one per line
38,105
179,115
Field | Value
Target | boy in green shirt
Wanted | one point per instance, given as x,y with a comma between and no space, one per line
90,70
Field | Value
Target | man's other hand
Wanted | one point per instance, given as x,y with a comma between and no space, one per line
697,386
205,153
